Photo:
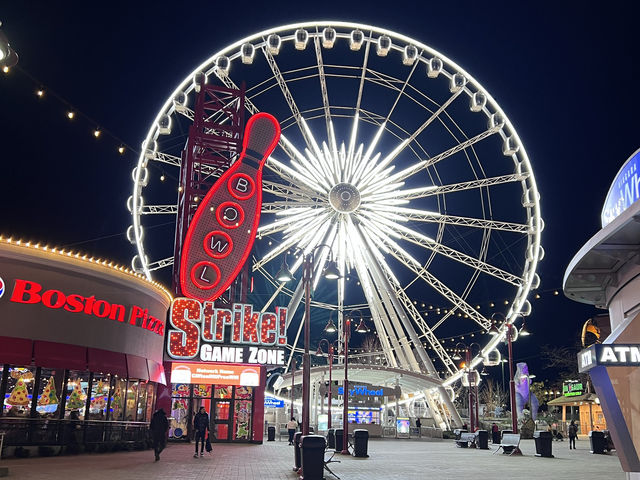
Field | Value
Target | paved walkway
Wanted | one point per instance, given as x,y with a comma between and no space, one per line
390,459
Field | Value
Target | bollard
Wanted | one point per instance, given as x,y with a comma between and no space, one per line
271,434
312,447
360,443
331,438
296,451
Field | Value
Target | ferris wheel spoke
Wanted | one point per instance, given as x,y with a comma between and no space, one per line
468,222
158,209
163,158
302,163
303,218
282,83
363,76
283,207
293,176
324,91
158,264
429,243
407,172
288,191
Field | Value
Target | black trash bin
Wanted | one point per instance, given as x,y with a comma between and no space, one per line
296,451
360,443
339,433
544,442
271,434
312,449
598,442
482,439
331,438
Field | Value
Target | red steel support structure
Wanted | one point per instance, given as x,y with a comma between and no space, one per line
512,384
346,333
214,143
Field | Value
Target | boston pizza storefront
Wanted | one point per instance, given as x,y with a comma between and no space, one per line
80,349
217,359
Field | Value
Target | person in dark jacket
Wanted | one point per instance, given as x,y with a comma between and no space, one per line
200,427
159,426
573,433
495,433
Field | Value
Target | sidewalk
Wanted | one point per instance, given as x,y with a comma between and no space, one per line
389,459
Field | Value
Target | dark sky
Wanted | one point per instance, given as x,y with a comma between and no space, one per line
562,71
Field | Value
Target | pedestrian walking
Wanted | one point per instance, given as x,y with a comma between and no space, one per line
495,433
292,426
419,427
573,433
200,427
159,426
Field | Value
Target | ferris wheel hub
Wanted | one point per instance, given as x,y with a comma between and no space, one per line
344,198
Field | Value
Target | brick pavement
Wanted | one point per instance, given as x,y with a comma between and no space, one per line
390,459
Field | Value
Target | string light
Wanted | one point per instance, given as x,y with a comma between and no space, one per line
5,69
40,93
70,114
121,150
96,133
162,177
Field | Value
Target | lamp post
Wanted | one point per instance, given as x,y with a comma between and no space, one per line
473,385
293,381
346,333
330,348
511,334
330,272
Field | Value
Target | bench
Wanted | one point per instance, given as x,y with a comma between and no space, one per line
466,439
510,444
329,460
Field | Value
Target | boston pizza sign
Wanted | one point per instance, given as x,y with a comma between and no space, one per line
202,332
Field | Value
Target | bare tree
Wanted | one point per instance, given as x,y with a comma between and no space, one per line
492,395
564,360
370,345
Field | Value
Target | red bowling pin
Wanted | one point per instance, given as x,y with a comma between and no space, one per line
223,229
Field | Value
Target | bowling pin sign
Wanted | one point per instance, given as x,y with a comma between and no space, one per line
223,229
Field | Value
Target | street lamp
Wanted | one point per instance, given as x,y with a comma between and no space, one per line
330,272
474,416
346,333
330,348
511,335
293,380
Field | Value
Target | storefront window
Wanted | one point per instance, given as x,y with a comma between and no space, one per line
179,421
132,398
242,413
117,399
19,393
223,391
202,391
99,397
151,392
142,403
76,401
48,399
180,389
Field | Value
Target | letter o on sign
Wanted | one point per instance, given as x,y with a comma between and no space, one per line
230,215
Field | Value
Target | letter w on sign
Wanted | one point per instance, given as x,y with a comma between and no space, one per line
223,229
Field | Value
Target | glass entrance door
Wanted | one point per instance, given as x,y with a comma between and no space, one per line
221,414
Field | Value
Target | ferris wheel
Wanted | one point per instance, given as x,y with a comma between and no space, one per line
393,156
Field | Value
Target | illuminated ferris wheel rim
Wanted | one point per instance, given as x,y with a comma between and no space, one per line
259,40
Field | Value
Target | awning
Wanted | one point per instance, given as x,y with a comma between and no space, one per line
156,372
137,367
106,361
587,397
18,351
60,355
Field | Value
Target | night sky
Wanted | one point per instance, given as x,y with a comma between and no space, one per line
563,74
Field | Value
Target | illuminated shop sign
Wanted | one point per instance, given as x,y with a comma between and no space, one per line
33,293
211,373
624,191
223,229
572,389
362,390
612,355
273,402
203,332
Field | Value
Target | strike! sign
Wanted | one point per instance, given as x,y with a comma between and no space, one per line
215,334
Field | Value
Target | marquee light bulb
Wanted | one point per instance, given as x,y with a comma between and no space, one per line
70,115
5,69
96,133
120,149
40,93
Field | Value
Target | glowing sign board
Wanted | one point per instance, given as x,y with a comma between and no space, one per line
624,191
213,373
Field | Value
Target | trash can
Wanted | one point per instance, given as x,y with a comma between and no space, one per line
360,442
459,431
271,434
544,441
482,439
312,448
339,433
331,438
296,451
598,443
